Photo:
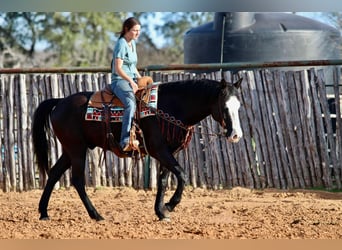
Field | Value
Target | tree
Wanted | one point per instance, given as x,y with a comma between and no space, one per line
174,28
19,34
87,39
82,39
71,39
335,19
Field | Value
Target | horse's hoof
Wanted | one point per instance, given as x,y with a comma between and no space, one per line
95,215
167,207
165,215
99,218
165,219
166,211
44,218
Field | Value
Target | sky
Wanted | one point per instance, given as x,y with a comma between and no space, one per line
156,20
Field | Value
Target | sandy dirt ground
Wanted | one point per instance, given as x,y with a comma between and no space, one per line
202,214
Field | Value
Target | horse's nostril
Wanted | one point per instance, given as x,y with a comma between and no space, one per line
234,138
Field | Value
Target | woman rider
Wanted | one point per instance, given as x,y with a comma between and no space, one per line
125,75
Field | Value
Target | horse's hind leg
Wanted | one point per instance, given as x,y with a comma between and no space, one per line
78,166
62,164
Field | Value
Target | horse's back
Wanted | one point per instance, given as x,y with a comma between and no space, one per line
69,113
74,104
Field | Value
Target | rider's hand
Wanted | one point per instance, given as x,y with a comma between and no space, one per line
134,86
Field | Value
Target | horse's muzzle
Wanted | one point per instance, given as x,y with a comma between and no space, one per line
234,137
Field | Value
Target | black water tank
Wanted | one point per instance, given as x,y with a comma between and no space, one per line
260,37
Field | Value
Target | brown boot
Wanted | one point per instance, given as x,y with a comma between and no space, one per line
127,148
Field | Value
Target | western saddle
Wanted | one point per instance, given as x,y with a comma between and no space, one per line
105,96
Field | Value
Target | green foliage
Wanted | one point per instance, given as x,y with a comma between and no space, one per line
19,30
331,190
82,39
19,34
335,19
174,28
87,39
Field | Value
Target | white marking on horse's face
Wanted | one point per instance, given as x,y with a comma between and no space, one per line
233,106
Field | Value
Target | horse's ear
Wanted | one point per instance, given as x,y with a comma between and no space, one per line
223,83
238,83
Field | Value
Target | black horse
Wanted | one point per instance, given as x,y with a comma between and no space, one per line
181,105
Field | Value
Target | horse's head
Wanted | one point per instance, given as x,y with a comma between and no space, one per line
227,113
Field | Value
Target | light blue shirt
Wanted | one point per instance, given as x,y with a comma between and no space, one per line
129,56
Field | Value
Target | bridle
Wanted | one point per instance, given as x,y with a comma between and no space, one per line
223,113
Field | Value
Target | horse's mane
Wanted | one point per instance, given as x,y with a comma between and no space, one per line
206,87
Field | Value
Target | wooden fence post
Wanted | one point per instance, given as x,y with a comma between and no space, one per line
288,138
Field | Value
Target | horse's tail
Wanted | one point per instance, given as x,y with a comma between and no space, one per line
40,126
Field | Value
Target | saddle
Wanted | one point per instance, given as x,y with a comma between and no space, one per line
104,99
105,96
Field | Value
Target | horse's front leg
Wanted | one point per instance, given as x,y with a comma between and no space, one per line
177,196
161,210
159,207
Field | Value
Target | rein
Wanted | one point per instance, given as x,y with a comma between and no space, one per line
171,119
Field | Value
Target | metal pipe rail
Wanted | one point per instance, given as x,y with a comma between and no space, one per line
205,66
243,65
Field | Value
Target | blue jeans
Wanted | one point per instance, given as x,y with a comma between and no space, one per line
123,90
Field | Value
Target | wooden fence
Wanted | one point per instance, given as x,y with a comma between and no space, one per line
289,141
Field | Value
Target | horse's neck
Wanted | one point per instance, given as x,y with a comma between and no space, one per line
188,105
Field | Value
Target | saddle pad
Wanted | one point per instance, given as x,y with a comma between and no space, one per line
116,112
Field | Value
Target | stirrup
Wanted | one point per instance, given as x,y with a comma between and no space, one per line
132,145
127,148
